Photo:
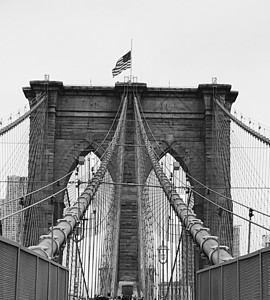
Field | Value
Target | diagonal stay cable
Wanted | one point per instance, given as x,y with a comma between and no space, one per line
48,246
68,174
208,244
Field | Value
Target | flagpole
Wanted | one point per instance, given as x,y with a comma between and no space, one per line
131,62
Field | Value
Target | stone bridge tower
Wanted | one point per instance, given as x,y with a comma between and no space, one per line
181,119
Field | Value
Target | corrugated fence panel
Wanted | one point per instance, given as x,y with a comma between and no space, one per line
53,282
215,284
204,286
42,279
8,267
27,276
62,284
244,278
249,279
230,281
266,275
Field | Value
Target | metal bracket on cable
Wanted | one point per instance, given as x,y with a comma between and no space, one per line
201,229
62,230
226,258
188,210
215,248
193,222
177,202
220,247
208,237
75,208
73,215
48,236
63,221
41,248
59,221
181,209
188,215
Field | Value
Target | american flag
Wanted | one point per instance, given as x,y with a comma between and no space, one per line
122,64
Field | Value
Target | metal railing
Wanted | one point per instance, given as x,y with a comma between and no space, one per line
26,275
244,278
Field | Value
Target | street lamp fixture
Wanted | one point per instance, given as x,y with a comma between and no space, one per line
163,253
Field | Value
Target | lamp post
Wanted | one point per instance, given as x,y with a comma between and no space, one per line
163,258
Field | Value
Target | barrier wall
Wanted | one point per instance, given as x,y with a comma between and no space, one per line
244,278
26,276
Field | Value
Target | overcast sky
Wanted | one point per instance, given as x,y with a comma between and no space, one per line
176,42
